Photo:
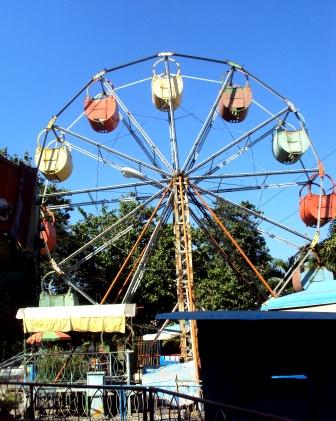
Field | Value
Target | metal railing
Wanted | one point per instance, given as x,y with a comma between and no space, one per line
69,367
44,402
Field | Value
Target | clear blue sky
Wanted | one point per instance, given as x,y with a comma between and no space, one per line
50,49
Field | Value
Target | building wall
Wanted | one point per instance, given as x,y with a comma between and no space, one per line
239,358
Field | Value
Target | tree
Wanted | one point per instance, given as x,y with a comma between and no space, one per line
157,292
18,265
20,268
232,283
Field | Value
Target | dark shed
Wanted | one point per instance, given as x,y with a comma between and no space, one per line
277,362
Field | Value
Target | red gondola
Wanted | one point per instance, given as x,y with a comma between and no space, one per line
48,231
102,113
309,205
234,103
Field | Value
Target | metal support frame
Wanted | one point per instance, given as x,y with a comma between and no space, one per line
236,141
256,214
112,151
184,270
236,155
234,242
98,202
144,135
199,142
253,174
252,286
171,120
139,272
96,189
257,187
134,247
111,227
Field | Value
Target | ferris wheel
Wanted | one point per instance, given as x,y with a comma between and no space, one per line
178,132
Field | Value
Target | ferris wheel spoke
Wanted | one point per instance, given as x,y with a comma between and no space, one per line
255,213
171,120
66,279
247,147
97,189
129,172
140,269
98,76
135,245
99,249
236,141
113,226
278,238
252,174
233,241
304,128
150,155
156,151
197,146
241,151
103,202
266,86
252,286
256,187
111,150
268,234
71,284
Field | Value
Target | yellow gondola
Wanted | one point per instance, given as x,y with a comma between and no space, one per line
54,162
167,88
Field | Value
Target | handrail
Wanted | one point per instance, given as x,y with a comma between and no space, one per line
53,401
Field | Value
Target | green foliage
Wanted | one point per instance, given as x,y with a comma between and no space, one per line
8,401
226,292
232,282
18,279
157,291
27,159
21,283
96,275
48,367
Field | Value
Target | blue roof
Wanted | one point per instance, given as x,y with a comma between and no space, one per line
246,315
319,288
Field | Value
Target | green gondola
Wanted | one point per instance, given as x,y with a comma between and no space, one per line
289,145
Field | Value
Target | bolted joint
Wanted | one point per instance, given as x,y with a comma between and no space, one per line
291,106
235,65
99,75
51,123
166,54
